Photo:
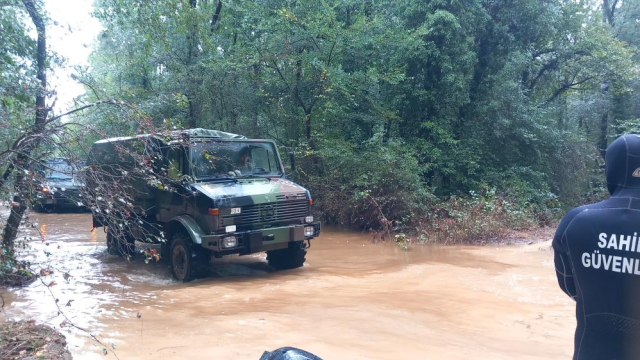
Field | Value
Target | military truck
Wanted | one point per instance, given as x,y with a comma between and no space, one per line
201,194
59,187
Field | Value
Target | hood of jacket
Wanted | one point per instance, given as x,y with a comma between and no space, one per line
622,161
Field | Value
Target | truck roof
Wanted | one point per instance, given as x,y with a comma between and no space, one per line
179,134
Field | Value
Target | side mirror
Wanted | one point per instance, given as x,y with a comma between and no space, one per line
185,181
292,160
288,353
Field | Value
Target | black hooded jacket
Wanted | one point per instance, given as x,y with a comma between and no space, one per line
597,261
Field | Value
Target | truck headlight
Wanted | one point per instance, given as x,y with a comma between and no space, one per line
309,231
229,242
308,219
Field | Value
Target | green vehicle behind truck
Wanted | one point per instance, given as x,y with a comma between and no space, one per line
201,194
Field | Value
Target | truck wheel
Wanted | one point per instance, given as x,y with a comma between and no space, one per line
116,246
187,260
290,258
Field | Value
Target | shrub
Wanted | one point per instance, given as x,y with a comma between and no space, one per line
475,217
370,186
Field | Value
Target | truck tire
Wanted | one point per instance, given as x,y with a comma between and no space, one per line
289,258
165,251
188,261
116,246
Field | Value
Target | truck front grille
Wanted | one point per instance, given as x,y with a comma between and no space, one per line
267,213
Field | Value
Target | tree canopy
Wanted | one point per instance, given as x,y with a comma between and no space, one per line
389,105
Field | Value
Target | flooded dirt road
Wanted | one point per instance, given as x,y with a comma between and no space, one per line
352,300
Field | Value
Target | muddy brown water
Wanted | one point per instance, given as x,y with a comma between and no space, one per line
353,299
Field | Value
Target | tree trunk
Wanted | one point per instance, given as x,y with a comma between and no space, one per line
307,122
306,108
602,139
609,11
191,61
7,173
216,17
22,160
608,17
18,208
193,120
387,132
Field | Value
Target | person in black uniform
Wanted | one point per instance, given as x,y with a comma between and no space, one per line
597,261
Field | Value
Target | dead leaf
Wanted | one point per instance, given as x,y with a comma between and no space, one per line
45,272
69,303
51,284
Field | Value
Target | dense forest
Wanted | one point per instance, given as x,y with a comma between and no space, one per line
448,118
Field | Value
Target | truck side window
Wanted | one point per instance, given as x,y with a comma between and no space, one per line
175,163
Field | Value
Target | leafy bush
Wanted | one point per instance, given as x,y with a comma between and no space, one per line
478,216
370,186
378,187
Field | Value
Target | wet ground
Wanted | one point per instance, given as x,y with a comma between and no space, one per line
352,300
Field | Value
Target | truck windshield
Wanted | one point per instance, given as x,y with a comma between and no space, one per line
233,159
58,171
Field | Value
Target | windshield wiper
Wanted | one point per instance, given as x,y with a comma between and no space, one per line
209,178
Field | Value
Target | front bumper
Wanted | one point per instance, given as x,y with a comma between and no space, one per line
260,240
59,201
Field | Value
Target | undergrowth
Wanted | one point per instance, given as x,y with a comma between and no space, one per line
473,218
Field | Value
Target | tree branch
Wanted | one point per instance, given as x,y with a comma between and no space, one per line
111,102
566,87
546,67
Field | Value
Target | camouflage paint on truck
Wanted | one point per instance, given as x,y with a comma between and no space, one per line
269,208
214,199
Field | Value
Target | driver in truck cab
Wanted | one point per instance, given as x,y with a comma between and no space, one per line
244,164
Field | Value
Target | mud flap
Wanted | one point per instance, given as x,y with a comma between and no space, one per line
254,242
96,222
